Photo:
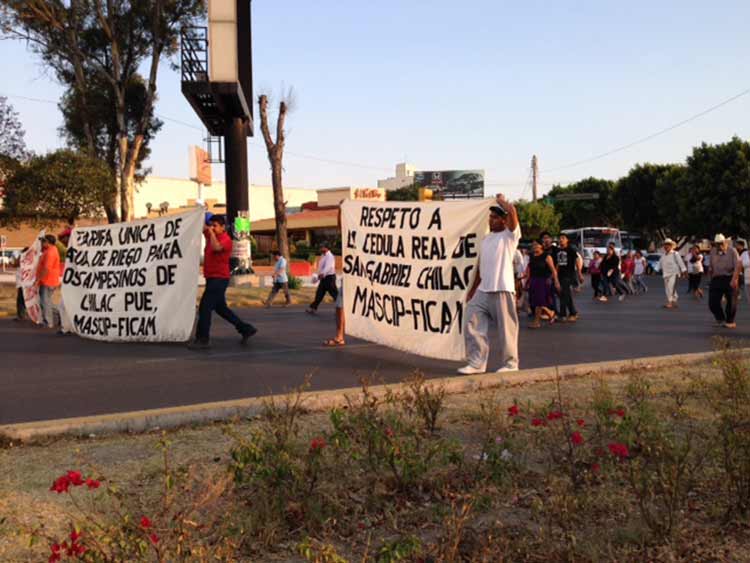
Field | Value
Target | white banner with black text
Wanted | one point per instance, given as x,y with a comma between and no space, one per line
134,281
407,269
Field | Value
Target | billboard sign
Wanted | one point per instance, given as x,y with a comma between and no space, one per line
452,184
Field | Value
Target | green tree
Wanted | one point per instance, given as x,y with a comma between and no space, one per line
12,143
670,187
97,114
62,185
714,193
587,213
77,39
636,196
536,217
407,193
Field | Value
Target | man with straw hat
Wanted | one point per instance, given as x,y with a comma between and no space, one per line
724,271
672,267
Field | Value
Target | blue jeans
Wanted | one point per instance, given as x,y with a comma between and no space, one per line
214,300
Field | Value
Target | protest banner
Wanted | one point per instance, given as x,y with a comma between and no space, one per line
28,267
134,281
407,269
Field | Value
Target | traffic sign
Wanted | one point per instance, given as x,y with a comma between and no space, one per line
575,197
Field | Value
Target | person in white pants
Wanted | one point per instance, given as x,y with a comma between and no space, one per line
672,267
745,259
492,295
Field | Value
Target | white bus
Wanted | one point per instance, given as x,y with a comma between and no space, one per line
589,239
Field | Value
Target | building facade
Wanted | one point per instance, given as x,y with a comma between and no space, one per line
178,192
404,177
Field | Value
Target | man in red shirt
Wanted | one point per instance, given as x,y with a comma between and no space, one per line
48,278
216,271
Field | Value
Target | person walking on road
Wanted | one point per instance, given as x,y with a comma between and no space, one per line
542,275
628,270
695,272
550,248
611,274
672,268
596,275
491,297
20,301
724,271
745,259
280,280
569,271
216,271
326,278
48,278
639,270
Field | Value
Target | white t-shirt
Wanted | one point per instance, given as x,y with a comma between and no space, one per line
327,265
496,261
745,258
640,266
519,264
695,267
279,271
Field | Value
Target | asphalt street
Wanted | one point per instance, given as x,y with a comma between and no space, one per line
45,376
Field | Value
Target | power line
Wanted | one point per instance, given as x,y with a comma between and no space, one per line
652,135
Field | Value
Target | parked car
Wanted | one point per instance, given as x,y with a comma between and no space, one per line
654,264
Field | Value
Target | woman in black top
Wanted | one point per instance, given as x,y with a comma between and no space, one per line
541,267
611,275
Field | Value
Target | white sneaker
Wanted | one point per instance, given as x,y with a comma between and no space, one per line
506,369
621,298
471,370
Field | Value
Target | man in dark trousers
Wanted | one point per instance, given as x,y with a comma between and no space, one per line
569,267
216,271
326,277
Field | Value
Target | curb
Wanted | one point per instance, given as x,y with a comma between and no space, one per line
171,417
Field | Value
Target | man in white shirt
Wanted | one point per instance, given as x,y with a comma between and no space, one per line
492,295
326,278
672,267
280,279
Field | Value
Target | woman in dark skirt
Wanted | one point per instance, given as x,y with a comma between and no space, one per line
695,272
541,270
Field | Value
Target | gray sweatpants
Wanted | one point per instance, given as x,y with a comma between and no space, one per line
498,307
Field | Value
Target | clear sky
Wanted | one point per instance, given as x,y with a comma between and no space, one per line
463,85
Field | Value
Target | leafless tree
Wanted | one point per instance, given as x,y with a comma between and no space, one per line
275,150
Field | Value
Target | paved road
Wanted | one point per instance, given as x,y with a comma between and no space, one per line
45,376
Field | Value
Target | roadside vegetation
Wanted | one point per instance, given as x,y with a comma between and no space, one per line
639,466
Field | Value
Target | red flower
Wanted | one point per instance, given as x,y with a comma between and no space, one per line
145,522
618,450
317,444
596,468
538,422
580,422
576,438
75,535
75,478
619,412
92,483
61,484
513,410
55,553
554,415
154,538
389,432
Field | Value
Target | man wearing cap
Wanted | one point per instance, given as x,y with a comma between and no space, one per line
48,278
216,271
492,295
724,271
672,267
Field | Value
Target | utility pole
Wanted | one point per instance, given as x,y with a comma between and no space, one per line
534,177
